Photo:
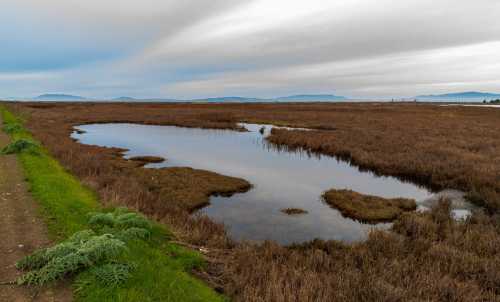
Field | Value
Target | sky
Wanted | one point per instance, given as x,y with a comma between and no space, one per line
255,48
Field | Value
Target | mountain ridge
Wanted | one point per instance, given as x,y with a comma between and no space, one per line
461,95
59,96
221,99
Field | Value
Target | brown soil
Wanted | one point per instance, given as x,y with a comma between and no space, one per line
22,232
367,208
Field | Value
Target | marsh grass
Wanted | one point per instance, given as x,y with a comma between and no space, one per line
144,160
293,211
368,208
426,257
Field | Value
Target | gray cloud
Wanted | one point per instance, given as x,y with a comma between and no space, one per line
260,47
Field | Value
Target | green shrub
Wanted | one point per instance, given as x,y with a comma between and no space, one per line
120,220
95,250
69,257
20,145
112,274
102,219
134,233
12,128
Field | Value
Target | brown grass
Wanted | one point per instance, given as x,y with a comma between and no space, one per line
293,211
368,208
428,257
143,160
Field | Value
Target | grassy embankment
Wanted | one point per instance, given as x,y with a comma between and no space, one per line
162,267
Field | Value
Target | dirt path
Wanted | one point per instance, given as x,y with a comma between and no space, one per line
21,232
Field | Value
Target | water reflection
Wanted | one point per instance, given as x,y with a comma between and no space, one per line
281,179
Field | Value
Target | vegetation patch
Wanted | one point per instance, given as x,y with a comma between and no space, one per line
98,249
293,211
188,188
12,128
20,145
368,208
144,160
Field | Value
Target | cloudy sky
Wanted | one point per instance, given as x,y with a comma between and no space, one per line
263,48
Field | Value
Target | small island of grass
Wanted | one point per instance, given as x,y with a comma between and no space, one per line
144,160
368,208
294,211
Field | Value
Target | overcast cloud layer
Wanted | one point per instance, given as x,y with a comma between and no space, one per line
264,48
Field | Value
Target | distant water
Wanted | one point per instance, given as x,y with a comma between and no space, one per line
474,105
281,179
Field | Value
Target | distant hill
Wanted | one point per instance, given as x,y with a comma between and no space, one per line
59,97
292,98
312,97
223,99
235,99
125,99
469,95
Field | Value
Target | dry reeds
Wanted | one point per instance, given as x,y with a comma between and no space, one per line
428,256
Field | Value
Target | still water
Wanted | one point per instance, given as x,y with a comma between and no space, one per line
280,179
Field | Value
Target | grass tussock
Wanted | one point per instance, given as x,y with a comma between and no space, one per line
293,211
427,256
367,208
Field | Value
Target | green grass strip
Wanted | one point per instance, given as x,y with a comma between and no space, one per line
162,267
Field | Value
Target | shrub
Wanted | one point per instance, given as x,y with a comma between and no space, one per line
122,221
112,274
20,145
97,251
69,257
12,128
